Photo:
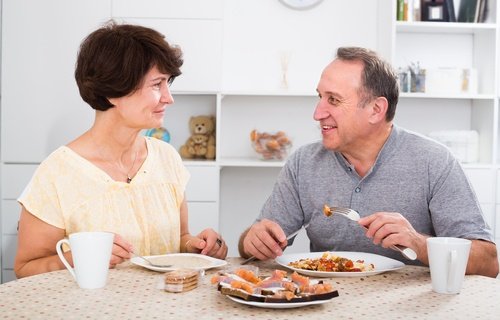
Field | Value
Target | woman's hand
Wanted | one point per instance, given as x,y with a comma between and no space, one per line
207,242
121,251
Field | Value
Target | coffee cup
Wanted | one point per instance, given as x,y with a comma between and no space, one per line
91,252
448,259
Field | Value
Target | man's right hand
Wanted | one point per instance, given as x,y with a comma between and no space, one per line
264,240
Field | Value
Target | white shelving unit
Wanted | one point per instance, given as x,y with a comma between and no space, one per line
234,53
458,45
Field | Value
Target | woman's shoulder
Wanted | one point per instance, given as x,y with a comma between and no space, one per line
58,157
161,150
160,146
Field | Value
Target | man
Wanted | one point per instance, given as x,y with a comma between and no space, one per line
405,187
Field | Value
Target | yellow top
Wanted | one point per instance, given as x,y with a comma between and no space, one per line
69,192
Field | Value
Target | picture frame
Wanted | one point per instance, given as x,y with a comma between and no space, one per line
435,10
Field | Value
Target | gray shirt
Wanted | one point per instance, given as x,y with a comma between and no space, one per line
412,175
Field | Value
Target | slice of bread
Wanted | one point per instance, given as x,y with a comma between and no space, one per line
181,280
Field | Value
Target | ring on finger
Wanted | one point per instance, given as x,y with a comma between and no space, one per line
219,242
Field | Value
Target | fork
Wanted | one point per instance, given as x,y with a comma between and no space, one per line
354,215
290,236
151,263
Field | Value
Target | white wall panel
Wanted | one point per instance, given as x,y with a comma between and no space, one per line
41,106
15,177
10,212
203,215
201,44
169,9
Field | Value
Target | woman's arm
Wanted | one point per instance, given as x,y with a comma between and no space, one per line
36,248
207,242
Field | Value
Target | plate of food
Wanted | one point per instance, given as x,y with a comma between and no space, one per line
277,291
179,261
272,305
338,264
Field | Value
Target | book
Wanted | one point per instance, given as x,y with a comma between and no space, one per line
450,7
483,11
467,11
400,9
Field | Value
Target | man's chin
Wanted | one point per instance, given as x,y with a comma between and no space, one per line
330,146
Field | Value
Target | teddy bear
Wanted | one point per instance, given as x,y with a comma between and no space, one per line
201,143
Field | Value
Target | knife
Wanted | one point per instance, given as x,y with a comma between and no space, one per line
290,236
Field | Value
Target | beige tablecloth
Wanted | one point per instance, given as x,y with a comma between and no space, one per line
131,293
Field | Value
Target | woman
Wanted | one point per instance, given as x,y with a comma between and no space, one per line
111,178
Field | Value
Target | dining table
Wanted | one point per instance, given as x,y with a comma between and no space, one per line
134,292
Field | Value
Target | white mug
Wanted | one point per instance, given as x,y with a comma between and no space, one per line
91,252
448,259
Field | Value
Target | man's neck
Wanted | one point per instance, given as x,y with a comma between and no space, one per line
363,156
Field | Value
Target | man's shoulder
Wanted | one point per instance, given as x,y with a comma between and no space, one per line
311,149
417,141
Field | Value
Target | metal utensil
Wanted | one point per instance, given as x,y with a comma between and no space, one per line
354,215
290,236
157,265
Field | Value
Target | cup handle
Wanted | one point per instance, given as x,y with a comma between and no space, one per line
452,269
63,259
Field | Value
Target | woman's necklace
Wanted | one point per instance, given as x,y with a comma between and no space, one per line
128,173
129,178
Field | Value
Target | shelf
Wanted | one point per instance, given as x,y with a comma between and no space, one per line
478,166
250,162
199,163
282,93
414,95
444,27
193,93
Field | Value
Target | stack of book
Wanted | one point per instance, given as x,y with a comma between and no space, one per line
472,11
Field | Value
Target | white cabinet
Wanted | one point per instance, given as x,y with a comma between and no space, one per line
484,182
14,178
435,45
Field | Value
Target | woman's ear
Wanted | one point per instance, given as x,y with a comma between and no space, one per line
113,101
379,110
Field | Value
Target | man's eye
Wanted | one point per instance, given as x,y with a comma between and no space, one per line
333,100
157,85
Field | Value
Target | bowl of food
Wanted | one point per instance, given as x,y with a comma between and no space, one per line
270,145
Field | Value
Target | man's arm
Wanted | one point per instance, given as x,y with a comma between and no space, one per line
483,259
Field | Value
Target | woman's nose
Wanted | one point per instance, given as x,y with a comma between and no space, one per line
166,96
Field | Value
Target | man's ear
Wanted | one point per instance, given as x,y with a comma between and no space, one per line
379,109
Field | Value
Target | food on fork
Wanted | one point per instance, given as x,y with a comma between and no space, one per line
332,263
277,288
327,211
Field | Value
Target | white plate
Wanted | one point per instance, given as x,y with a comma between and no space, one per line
179,261
381,263
284,305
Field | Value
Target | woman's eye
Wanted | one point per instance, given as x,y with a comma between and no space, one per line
157,85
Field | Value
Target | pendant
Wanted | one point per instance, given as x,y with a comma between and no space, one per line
129,179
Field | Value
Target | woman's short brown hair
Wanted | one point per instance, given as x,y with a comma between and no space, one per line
113,60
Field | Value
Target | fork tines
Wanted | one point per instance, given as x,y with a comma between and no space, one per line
341,210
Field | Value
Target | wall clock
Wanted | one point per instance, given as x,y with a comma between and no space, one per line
300,4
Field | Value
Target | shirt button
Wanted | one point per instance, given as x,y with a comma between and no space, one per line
357,190
349,169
